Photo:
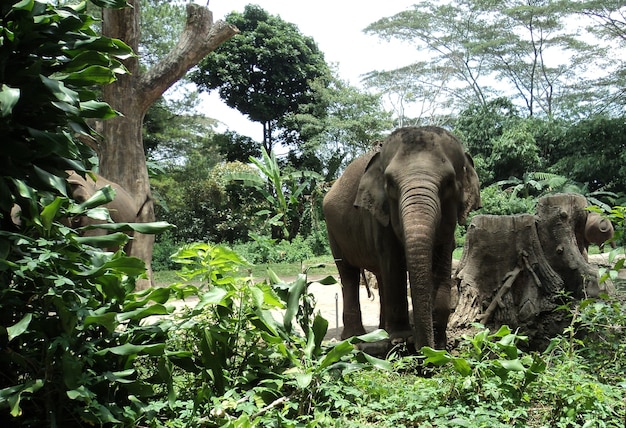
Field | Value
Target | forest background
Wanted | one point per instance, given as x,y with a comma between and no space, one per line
534,90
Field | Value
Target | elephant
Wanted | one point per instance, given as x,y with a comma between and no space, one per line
122,209
598,230
394,210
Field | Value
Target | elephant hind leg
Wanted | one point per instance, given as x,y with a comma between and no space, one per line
352,321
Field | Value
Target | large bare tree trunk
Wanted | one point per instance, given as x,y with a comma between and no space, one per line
121,153
516,269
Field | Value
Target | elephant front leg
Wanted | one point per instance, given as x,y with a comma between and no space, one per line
442,270
352,320
392,286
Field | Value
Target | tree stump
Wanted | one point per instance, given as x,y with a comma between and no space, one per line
517,270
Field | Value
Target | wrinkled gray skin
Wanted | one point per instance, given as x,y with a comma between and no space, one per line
394,212
122,209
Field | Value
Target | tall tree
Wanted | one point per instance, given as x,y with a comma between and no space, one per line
265,73
121,152
521,49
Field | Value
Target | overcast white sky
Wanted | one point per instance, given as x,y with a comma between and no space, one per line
337,28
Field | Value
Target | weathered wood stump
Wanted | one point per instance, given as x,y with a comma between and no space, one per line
517,270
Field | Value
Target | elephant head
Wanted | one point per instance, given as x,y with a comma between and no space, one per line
598,229
422,183
122,209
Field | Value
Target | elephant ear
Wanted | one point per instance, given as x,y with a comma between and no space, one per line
371,192
471,190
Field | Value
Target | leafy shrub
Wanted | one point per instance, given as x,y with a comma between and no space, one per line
234,364
498,202
263,250
164,248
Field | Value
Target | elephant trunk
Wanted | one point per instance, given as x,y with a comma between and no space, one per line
420,211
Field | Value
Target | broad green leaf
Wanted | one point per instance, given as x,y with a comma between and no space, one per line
50,180
436,357
377,362
102,196
297,288
94,75
215,296
338,351
329,280
106,241
154,227
50,211
13,394
107,320
462,366
303,380
512,365
97,109
143,312
131,349
20,327
8,98
373,336
24,5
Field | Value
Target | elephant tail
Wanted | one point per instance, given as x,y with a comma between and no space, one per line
367,285
148,199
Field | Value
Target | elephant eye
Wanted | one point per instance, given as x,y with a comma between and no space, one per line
390,187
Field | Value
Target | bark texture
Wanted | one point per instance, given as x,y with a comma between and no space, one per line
515,270
121,152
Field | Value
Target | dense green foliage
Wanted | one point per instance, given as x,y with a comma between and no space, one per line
68,316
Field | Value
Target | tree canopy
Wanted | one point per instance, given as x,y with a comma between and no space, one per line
540,54
265,72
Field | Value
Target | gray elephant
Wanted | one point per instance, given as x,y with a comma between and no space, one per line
598,230
122,209
394,211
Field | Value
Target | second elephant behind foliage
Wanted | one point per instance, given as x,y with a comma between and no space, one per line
122,209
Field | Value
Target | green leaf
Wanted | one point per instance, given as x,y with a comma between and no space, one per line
100,197
97,109
50,211
436,357
297,288
462,366
13,394
373,336
340,350
20,327
329,280
131,349
92,75
303,380
8,99
143,312
151,228
106,241
512,365
377,362
107,320
215,296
